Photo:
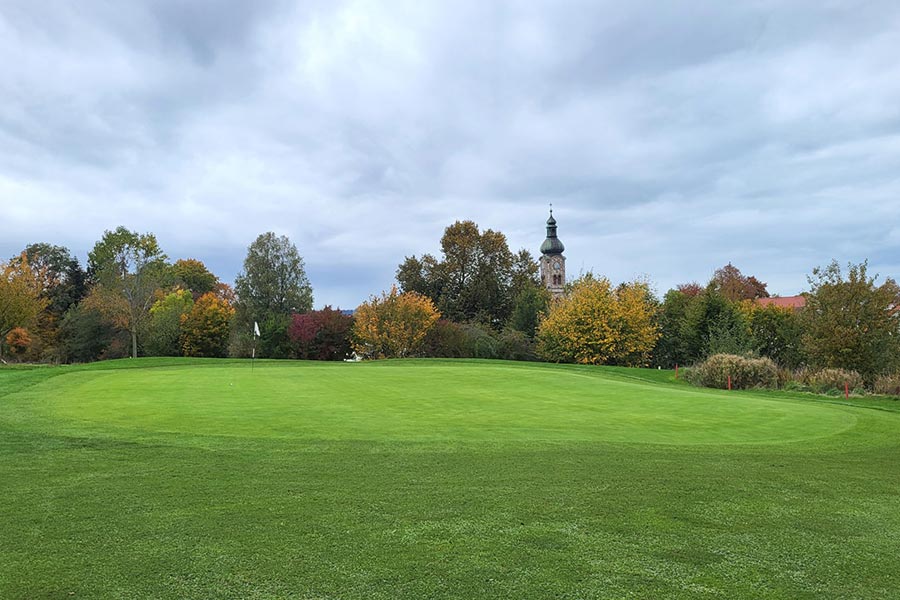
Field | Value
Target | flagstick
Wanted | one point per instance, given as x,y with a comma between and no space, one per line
253,356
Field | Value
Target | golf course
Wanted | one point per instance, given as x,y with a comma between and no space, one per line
207,478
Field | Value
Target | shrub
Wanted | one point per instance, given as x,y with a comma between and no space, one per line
446,339
745,373
823,381
888,385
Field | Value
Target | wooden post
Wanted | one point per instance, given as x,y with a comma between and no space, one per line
729,383
676,370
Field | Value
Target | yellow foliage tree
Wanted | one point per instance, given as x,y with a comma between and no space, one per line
20,297
393,325
204,330
598,324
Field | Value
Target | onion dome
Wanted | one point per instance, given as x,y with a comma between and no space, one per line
552,245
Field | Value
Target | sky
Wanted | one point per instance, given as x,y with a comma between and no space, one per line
671,138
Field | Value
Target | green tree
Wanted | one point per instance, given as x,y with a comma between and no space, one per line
271,287
477,279
713,324
127,269
164,325
87,335
852,323
671,349
777,333
530,306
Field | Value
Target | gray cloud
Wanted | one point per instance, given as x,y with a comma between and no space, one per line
670,138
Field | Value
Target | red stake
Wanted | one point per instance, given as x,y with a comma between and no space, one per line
846,389
676,370
729,382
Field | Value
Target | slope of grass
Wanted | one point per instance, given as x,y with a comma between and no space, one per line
444,479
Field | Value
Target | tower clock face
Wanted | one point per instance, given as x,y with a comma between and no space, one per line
556,266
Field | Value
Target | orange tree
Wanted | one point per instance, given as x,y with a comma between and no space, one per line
205,329
20,297
393,325
598,324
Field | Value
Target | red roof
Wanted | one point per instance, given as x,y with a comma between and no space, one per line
793,302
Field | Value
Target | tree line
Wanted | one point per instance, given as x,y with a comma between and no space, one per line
478,298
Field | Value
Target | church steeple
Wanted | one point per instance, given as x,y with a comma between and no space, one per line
552,245
552,261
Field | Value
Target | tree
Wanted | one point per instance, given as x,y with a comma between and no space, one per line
597,324
18,340
713,324
671,348
393,325
271,287
191,274
127,269
20,297
86,335
205,329
852,323
777,333
735,286
477,278
321,334
62,285
164,325
530,306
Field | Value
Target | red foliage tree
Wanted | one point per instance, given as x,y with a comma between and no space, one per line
321,334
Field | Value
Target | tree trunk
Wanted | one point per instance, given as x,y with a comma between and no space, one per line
133,343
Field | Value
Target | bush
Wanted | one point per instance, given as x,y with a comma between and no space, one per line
888,385
824,381
745,373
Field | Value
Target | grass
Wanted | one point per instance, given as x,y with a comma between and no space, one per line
164,478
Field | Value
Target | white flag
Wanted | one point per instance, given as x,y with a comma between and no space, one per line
255,328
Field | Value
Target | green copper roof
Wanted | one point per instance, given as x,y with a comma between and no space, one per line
552,245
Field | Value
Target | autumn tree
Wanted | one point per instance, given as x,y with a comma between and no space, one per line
18,340
321,334
598,324
127,269
393,325
205,328
62,285
852,323
735,286
21,298
191,274
271,287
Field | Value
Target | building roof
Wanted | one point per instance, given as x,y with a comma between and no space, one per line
793,302
552,245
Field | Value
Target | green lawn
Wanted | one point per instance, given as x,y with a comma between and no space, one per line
437,479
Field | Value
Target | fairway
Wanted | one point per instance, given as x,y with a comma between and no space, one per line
444,479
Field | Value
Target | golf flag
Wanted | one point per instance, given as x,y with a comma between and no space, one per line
255,328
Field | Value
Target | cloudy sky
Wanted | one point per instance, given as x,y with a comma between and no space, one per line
670,137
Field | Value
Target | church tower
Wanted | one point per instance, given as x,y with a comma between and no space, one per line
553,263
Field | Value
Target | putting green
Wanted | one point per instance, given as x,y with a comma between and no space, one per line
416,401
